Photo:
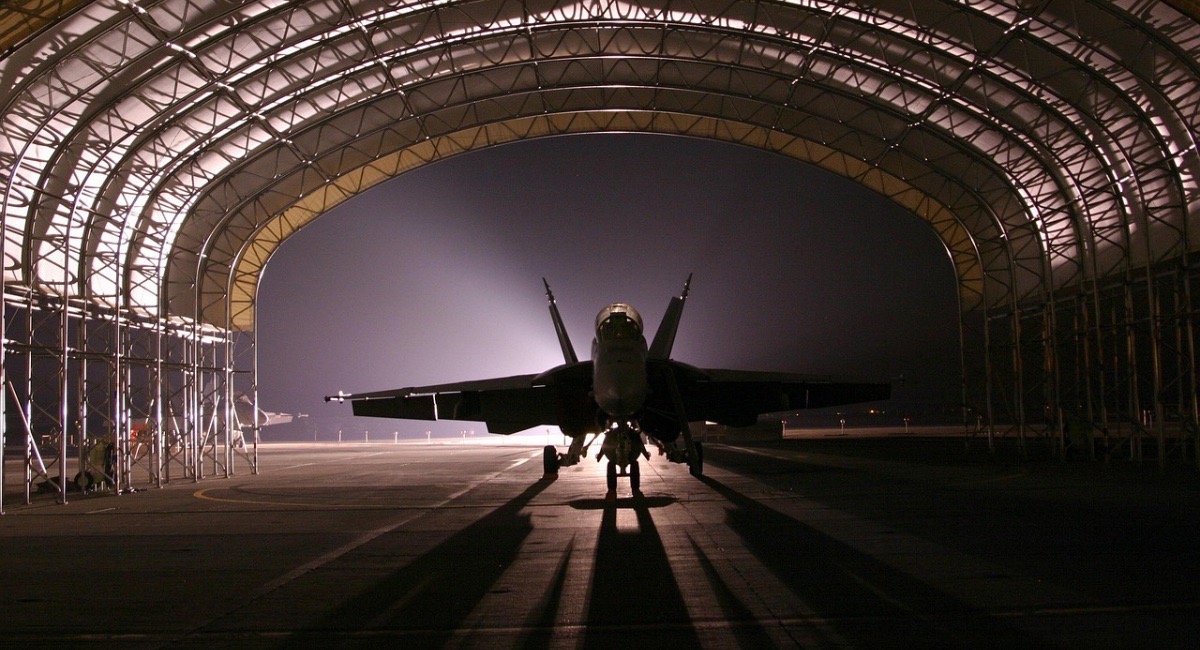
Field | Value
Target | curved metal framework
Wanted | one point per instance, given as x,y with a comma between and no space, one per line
154,154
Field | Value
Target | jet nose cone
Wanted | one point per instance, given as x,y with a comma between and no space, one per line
618,403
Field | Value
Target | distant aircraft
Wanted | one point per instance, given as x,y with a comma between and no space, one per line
248,415
629,392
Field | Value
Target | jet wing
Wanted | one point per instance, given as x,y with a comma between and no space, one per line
506,404
737,398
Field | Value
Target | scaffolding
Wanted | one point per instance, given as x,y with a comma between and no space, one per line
1105,371
105,401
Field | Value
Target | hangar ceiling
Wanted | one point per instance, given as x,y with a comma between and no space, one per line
155,154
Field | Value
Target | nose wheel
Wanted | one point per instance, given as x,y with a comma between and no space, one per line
633,472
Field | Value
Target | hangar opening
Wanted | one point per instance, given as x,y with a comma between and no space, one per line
796,270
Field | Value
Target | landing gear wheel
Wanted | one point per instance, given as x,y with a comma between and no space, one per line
696,466
550,460
612,476
635,477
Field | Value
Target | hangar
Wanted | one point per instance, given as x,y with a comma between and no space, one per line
155,154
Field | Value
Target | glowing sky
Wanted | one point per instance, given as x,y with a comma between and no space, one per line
436,276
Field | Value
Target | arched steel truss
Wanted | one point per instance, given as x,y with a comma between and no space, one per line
153,156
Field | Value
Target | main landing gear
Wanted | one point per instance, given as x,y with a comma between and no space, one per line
691,455
622,446
552,460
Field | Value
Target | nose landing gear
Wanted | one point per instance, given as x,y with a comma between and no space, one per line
622,446
634,473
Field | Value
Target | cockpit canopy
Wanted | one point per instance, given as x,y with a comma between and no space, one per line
618,321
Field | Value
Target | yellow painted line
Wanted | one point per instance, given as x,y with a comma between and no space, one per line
201,494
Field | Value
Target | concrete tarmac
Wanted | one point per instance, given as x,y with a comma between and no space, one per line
464,545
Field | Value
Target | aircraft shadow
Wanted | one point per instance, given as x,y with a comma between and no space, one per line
429,598
1051,521
628,502
633,587
634,590
857,599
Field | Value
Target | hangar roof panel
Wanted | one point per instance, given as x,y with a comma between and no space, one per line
155,154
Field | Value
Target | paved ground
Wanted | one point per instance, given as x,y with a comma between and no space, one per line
782,544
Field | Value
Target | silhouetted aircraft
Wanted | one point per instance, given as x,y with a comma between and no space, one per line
248,414
629,394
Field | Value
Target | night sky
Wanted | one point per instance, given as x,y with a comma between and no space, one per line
435,276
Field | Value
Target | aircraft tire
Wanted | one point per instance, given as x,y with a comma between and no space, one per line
612,476
696,467
550,460
635,477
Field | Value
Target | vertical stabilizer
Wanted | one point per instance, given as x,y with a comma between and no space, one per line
664,338
564,340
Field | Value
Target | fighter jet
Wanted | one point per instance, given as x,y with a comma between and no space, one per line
629,396
247,414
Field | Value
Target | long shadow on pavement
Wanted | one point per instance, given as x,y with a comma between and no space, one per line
856,598
429,598
634,592
1111,539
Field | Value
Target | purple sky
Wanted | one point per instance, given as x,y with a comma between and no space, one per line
436,276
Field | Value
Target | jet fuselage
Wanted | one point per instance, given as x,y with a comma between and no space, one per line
619,352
